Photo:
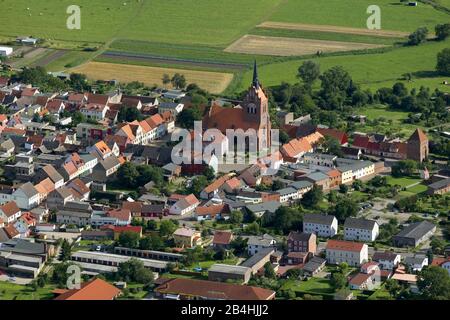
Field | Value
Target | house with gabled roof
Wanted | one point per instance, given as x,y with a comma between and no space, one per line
352,253
185,205
360,229
96,289
322,225
10,212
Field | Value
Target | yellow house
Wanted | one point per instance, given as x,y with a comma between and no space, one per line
187,237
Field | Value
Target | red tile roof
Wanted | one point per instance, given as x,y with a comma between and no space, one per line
222,237
214,290
344,245
9,208
96,289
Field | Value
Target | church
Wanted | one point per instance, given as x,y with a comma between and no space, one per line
251,113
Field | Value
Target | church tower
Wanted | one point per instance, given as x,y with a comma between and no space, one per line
256,110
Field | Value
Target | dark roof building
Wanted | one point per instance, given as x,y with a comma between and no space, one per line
414,234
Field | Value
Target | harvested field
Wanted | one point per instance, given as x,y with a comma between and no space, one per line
280,46
214,82
334,29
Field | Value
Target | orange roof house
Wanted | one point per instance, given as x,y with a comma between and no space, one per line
96,289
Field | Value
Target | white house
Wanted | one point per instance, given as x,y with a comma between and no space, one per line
257,243
26,196
319,159
360,229
352,253
416,263
5,51
387,260
321,225
10,212
288,194
185,205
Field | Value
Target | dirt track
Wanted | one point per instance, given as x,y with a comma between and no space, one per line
334,29
279,46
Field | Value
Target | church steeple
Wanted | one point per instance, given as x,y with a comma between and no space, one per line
255,82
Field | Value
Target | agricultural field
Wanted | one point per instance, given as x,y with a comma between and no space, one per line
279,34
280,46
367,70
214,82
352,13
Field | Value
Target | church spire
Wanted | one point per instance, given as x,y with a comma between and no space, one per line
255,82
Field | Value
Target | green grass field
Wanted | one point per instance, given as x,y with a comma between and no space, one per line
352,13
12,291
199,30
403,181
176,21
368,70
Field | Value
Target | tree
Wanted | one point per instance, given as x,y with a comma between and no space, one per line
166,228
133,270
198,184
443,62
343,188
252,228
313,197
78,82
344,208
236,217
442,31
128,174
165,79
404,168
332,146
66,250
434,283
284,219
309,72
151,225
178,81
151,242
337,280
393,287
239,245
418,36
186,117
336,84
60,274
129,239
269,272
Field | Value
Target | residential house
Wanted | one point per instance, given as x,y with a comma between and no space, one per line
352,253
189,289
96,289
387,260
222,240
258,243
360,229
187,237
322,225
10,212
106,169
185,205
416,263
301,242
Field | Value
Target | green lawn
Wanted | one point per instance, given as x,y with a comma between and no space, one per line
11,291
380,294
403,181
175,21
313,286
371,70
207,264
352,13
